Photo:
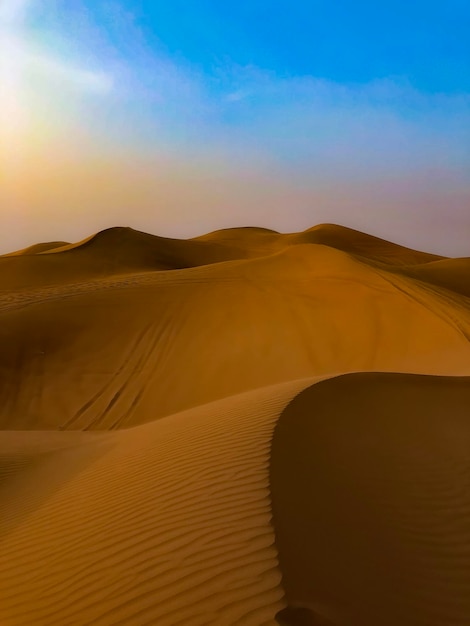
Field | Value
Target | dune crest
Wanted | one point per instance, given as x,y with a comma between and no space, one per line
363,245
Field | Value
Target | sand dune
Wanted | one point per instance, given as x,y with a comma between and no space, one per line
114,251
363,245
141,380
38,248
369,479
152,344
167,523
263,241
120,250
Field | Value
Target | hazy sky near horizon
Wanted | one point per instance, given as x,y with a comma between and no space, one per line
186,116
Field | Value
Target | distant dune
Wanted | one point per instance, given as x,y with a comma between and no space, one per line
143,381
118,251
38,248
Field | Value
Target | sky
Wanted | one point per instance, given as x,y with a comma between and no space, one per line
182,117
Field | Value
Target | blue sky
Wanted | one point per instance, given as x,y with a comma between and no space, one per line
425,43
282,113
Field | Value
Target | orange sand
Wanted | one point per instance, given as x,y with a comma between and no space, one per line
192,351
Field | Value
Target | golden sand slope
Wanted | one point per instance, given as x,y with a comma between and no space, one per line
164,524
453,274
121,351
370,478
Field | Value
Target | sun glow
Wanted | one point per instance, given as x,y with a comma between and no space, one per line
28,74
12,110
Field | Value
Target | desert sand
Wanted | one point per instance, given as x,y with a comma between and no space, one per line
246,428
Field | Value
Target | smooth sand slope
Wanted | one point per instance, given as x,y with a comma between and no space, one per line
370,478
141,380
145,345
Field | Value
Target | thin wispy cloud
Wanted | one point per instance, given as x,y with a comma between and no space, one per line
27,72
13,12
53,68
384,126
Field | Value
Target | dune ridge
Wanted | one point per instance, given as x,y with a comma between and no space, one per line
363,245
